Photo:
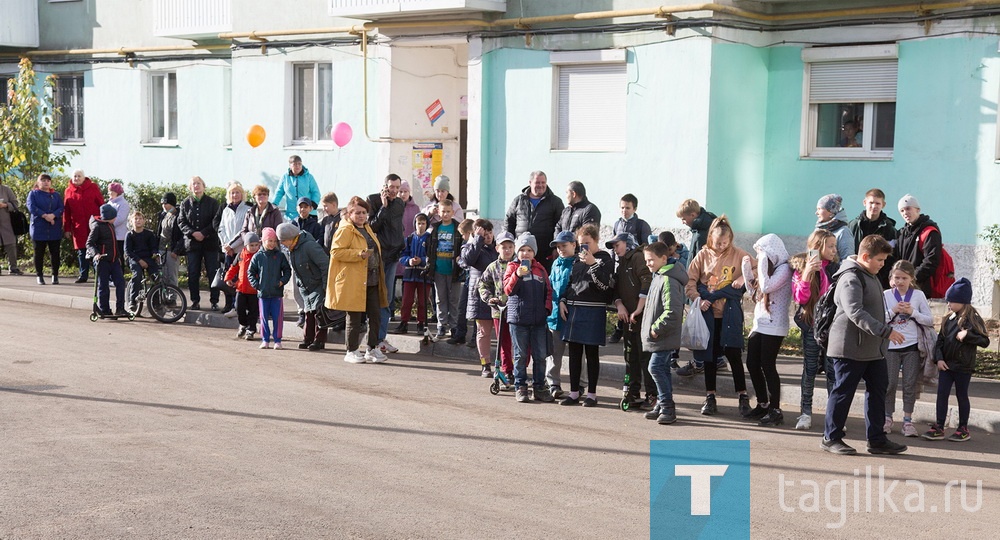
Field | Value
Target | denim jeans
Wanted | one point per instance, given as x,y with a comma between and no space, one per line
659,368
531,340
812,356
84,262
390,290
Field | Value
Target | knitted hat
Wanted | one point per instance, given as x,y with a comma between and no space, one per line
250,238
442,182
169,198
505,237
306,200
286,231
116,187
908,201
562,238
404,186
526,239
960,292
831,203
268,234
108,212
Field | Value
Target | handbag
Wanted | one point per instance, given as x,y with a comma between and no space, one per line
694,334
19,223
219,282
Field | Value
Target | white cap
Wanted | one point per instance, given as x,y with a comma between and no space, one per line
908,201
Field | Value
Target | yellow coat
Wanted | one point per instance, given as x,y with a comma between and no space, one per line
348,279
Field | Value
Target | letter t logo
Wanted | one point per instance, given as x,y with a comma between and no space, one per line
701,485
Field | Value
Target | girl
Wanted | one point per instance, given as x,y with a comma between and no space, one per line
45,205
415,285
907,307
268,274
477,254
810,280
247,307
591,283
716,282
773,294
961,332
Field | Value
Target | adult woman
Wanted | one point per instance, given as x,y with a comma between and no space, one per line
199,222
356,282
476,255
82,201
45,206
116,198
8,203
311,267
233,216
260,214
442,189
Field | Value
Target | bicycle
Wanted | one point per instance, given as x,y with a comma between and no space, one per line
166,302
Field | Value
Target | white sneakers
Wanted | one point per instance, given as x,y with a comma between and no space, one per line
277,345
909,430
375,356
387,347
805,422
265,345
230,314
888,425
354,357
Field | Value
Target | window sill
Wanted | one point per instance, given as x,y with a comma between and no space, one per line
309,146
846,158
69,143
587,150
164,144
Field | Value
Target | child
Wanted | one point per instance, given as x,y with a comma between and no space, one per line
491,292
269,272
661,325
810,280
961,332
247,309
140,247
443,248
307,221
591,284
630,222
169,237
772,292
102,247
830,216
562,266
331,219
477,254
716,282
678,252
414,262
529,301
699,220
311,265
908,308
458,337
632,279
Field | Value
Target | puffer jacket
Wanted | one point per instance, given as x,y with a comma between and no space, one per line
540,220
632,279
41,203
529,298
312,268
664,309
238,272
562,267
491,285
102,240
415,247
80,203
772,318
960,356
269,272
578,214
476,256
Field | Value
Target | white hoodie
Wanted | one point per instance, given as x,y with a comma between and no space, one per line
772,321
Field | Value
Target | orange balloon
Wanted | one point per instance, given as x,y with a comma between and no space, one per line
256,135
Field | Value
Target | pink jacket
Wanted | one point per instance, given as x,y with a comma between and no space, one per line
800,289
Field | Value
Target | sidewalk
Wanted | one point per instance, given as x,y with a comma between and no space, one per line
984,393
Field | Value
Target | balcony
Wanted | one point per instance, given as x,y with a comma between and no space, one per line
382,9
192,19
19,23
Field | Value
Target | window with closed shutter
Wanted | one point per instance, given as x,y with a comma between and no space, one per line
590,106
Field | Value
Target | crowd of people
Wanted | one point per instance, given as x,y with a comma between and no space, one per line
543,286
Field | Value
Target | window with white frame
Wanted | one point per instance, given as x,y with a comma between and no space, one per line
68,97
849,111
312,104
161,125
589,93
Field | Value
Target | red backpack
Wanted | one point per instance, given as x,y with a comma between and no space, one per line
944,274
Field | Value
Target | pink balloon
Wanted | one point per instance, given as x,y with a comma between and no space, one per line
341,134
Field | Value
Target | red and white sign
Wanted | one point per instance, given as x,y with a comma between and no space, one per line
435,111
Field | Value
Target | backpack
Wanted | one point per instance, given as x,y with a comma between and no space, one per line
824,312
944,274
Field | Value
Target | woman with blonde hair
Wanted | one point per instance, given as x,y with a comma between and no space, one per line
230,227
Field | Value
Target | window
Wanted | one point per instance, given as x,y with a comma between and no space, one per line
3,88
68,97
589,90
850,106
312,106
162,110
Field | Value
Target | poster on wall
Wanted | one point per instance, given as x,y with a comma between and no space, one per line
427,164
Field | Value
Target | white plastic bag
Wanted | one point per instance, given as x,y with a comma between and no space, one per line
694,333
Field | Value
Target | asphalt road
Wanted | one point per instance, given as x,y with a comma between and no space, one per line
145,430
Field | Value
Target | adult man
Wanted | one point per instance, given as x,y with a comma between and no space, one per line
925,256
386,219
578,211
82,201
694,216
535,210
297,182
199,222
874,221
857,349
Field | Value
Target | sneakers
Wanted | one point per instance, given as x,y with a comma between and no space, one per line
909,430
709,407
837,446
616,336
689,370
886,448
230,313
649,402
744,406
354,357
317,346
455,341
441,334
888,425
653,414
387,347
304,345
772,418
265,345
721,364
961,435
40,280
301,321
522,394
250,335
215,307
277,346
403,328
195,307
569,400
487,372
81,279
589,402
375,356
556,392
242,332
668,414
543,395
805,422
757,413
934,433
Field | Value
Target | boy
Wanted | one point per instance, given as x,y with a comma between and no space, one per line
874,221
856,347
140,248
629,223
678,252
170,238
661,324
699,220
491,292
331,219
102,247
443,249
269,272
562,266
632,280
529,302
307,221
461,332
247,308
414,262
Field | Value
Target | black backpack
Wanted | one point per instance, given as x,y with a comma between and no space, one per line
825,310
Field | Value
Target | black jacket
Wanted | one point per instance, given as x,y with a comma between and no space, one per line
959,355
591,285
540,220
101,240
578,214
632,279
176,243
202,216
140,246
329,225
387,222
457,273
925,260
699,231
311,225
885,227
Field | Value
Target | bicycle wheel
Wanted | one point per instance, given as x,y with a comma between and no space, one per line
138,298
167,303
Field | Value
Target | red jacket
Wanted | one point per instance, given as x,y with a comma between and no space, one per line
238,271
80,203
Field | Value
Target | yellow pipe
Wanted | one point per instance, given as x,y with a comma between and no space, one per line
122,50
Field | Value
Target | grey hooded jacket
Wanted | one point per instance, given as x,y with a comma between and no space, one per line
859,330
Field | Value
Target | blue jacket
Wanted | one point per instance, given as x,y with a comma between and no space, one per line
141,246
529,299
732,318
45,202
635,226
268,273
293,187
415,246
561,269
476,257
